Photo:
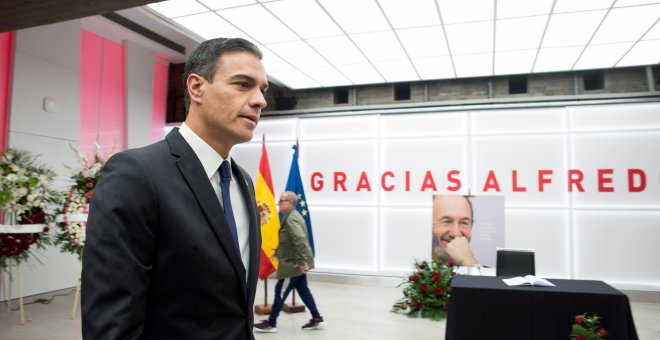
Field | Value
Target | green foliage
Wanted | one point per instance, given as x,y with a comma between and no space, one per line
426,291
586,327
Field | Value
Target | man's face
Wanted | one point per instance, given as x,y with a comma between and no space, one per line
285,205
452,217
231,105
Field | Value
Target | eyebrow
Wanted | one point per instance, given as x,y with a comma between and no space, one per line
248,78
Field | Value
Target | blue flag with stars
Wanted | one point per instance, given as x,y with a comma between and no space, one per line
294,184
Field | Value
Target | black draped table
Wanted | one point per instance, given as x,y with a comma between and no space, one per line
484,307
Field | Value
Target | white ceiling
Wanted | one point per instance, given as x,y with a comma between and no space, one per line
322,43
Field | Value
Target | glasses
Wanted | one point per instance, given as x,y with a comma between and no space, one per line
281,201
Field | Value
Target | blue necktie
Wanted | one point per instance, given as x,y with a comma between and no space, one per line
225,178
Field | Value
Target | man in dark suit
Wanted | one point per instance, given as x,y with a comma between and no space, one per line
173,239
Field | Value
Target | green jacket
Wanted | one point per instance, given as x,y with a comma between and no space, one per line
293,247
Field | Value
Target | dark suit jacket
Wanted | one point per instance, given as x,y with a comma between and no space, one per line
159,260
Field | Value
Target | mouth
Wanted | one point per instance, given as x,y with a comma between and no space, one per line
251,117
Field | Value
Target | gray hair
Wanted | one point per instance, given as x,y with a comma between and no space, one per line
292,197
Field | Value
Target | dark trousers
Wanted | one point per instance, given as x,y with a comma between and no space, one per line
300,284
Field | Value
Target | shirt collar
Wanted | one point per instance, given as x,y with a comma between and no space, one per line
210,159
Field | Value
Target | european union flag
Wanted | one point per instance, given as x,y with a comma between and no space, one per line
294,184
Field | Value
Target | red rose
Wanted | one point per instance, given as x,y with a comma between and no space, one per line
422,266
415,278
579,337
88,195
89,185
437,291
603,332
451,263
424,287
436,277
579,319
449,290
419,304
446,304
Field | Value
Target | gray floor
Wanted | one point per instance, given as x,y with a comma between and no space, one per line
352,312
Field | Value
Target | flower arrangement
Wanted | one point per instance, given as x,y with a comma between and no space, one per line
25,198
587,327
72,221
426,292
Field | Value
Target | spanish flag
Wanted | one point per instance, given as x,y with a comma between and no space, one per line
270,221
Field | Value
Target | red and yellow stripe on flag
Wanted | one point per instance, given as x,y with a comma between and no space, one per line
270,220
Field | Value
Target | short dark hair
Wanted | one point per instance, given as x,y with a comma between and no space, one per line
204,59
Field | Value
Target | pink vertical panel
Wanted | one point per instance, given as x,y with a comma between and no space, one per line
159,104
102,94
5,77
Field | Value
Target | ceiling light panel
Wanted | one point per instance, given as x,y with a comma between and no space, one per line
626,24
258,23
294,79
298,53
522,8
601,56
564,6
405,14
396,70
554,59
514,62
476,37
379,46
623,3
572,29
520,33
209,25
273,62
360,74
338,50
222,4
434,68
454,11
653,33
474,65
178,8
356,16
423,42
643,53
313,23
327,76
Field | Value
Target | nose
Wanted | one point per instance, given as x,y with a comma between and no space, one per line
258,100
455,231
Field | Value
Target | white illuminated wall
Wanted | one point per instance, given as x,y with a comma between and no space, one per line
605,232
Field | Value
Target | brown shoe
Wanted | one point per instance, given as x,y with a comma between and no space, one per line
264,327
315,323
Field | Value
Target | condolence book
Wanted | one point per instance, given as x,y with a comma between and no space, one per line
528,280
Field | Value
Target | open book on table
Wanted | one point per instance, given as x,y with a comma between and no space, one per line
528,280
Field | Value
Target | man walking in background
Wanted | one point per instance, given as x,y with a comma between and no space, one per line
295,259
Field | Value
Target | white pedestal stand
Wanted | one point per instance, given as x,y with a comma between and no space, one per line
11,228
73,218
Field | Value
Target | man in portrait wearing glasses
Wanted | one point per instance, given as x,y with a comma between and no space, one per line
295,259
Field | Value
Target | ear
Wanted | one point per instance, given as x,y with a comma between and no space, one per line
195,86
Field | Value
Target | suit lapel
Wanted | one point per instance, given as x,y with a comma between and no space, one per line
192,171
